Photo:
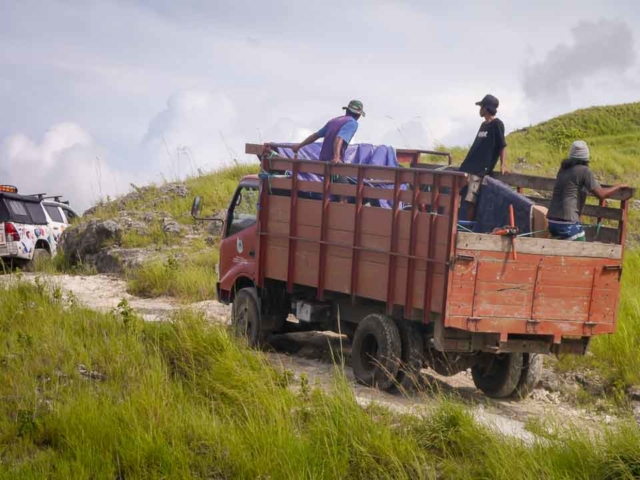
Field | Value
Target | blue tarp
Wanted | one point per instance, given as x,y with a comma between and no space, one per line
362,154
493,207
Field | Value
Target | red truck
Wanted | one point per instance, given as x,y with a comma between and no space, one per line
406,284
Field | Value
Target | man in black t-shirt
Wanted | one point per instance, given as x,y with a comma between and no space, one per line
488,146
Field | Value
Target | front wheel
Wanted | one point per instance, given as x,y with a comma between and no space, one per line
497,375
245,319
376,351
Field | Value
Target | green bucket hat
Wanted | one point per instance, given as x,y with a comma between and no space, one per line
356,107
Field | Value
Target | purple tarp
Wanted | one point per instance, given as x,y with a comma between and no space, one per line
363,154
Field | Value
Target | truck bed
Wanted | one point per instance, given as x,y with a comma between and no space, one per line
416,262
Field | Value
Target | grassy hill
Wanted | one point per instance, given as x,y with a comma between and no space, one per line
612,132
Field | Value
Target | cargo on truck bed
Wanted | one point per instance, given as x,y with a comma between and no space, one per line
411,284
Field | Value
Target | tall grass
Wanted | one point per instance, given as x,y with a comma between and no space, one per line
216,188
191,277
90,395
617,356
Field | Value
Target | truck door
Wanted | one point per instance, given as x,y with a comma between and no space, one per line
239,244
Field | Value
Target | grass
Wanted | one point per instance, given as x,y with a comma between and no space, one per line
215,188
92,395
617,356
190,277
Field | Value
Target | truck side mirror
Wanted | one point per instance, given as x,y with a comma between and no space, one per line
196,207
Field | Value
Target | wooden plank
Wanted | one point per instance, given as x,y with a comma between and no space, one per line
523,327
539,246
605,235
597,211
355,264
547,184
565,304
253,149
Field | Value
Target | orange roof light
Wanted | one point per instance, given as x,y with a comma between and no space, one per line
8,189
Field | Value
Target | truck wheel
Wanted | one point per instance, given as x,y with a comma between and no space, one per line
530,376
412,356
497,375
245,319
375,351
39,255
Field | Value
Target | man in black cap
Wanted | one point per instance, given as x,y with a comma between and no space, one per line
488,146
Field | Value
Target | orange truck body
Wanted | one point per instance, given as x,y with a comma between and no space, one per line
471,289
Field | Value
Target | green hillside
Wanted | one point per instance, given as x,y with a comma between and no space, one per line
612,132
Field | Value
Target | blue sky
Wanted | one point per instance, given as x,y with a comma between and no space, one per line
98,94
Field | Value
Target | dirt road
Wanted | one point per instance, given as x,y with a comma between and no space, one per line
312,354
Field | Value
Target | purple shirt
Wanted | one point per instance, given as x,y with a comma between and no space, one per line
344,127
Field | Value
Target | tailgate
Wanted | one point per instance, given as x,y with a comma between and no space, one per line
553,287
3,239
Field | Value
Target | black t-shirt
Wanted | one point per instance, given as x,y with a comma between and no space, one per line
486,148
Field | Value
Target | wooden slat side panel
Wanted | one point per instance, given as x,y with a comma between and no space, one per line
562,304
504,289
547,184
610,213
537,246
554,290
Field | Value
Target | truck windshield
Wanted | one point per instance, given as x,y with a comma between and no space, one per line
244,210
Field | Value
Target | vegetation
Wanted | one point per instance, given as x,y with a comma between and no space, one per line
612,132
617,356
215,188
90,395
191,277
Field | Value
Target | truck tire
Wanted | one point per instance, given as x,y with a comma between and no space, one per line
530,376
376,351
497,375
412,357
39,255
245,318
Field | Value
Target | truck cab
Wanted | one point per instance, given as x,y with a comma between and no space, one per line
239,240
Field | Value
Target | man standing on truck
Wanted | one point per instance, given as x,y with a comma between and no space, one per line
488,146
337,134
573,182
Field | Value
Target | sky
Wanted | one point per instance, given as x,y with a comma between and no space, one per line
96,95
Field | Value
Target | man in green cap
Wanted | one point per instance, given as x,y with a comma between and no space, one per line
337,134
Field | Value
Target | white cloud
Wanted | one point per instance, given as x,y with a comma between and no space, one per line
197,129
244,71
598,47
66,162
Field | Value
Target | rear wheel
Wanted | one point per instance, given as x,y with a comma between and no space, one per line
497,375
412,357
375,351
530,376
245,319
